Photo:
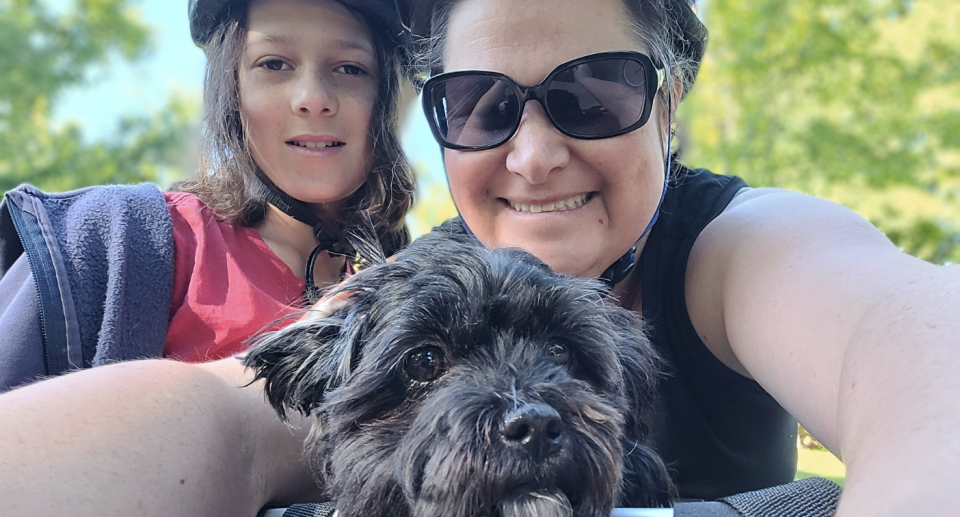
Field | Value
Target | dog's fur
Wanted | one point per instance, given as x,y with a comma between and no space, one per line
519,343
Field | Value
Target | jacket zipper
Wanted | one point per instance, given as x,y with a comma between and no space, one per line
15,216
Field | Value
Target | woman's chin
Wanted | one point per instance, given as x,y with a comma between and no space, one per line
565,261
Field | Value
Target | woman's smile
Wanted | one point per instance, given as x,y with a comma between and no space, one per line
561,204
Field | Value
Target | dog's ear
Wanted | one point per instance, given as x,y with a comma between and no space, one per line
304,360
646,480
642,368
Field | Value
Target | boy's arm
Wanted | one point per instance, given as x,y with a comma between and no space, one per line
149,438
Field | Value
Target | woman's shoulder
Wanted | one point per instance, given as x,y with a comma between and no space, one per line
772,221
694,198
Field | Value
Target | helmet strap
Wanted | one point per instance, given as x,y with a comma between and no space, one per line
327,239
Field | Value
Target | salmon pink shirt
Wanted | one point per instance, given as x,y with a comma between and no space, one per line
228,284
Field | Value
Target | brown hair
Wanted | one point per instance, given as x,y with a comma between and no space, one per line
227,178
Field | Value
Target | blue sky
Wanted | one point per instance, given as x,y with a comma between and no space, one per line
121,88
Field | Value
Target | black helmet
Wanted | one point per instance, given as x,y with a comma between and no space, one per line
690,44
206,15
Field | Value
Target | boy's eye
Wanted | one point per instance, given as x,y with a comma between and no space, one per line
273,64
351,70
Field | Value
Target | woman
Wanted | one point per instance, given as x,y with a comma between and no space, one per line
302,178
772,280
758,298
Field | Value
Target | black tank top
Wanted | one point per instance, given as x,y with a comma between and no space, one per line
719,432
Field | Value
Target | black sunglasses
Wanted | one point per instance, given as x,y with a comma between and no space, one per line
596,96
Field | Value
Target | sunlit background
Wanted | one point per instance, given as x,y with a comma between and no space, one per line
854,100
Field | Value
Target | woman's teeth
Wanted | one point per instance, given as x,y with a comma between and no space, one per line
316,145
567,204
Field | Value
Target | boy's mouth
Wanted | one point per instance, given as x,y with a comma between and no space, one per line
315,145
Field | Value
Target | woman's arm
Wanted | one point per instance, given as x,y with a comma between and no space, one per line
148,438
858,340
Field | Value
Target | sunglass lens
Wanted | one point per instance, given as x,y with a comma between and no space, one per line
598,98
474,111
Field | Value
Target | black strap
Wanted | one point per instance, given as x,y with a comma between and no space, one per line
310,510
326,237
299,211
811,497
621,268
705,509
311,292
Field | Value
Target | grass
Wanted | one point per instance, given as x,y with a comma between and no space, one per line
820,463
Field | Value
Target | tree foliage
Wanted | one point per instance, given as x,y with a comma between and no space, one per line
853,100
43,53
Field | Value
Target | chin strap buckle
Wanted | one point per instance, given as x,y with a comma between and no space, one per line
327,241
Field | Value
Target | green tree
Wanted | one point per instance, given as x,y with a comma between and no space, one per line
43,53
854,100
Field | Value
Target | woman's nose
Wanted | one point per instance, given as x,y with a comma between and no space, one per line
538,148
313,95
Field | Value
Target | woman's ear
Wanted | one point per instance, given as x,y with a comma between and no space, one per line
674,94
667,109
677,93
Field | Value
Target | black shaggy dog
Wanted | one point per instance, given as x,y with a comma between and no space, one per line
465,382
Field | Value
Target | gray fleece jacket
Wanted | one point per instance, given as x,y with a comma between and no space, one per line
86,278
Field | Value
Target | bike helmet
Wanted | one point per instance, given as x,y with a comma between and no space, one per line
206,15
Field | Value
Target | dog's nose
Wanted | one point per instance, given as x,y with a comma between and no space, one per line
536,427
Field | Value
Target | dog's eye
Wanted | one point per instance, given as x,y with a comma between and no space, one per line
424,364
558,353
